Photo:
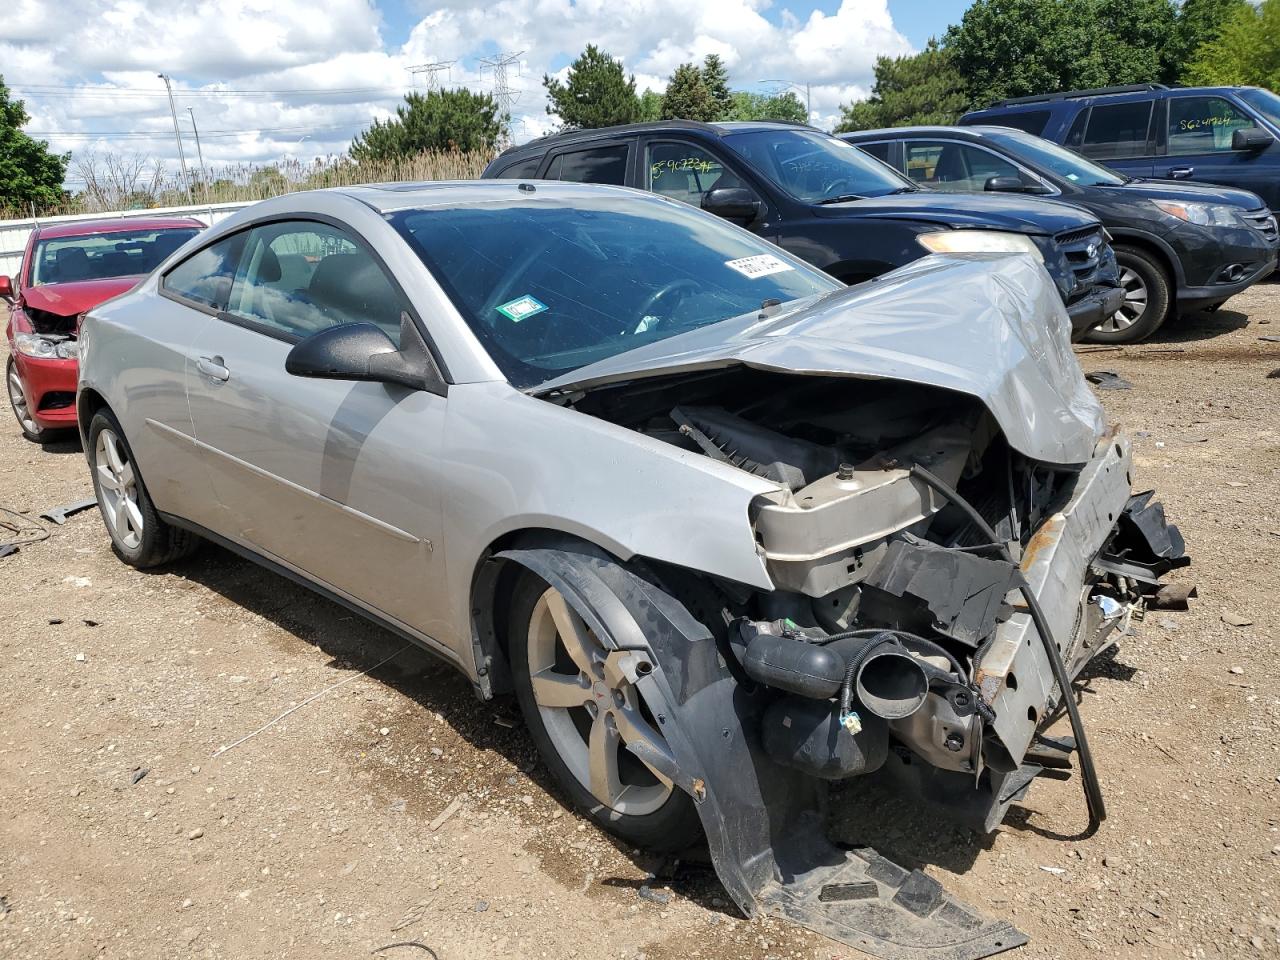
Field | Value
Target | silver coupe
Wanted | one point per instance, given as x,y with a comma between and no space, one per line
728,530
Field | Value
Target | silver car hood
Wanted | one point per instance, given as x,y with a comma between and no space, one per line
991,326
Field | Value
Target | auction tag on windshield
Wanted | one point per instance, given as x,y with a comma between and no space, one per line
521,308
760,265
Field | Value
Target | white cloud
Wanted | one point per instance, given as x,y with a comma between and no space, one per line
110,51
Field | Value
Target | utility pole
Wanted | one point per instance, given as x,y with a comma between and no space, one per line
502,93
433,71
204,173
177,135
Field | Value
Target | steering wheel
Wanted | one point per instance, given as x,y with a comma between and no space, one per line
659,296
831,191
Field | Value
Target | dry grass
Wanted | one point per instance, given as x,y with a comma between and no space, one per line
250,182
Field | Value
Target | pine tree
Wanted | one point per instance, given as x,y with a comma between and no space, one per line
716,78
596,93
688,97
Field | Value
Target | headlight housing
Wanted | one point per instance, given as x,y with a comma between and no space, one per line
979,241
1204,214
45,348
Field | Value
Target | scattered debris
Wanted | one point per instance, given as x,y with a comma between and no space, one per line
1173,596
196,834
4,906
78,581
1056,871
1236,670
446,814
505,722
1270,338
481,906
59,515
415,914
137,775
407,943
18,531
646,892
81,658
55,621
1108,380
90,623
1235,619
7,550
1097,349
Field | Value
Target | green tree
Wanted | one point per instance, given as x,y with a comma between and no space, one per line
716,77
650,106
29,173
1246,50
1010,48
596,93
437,120
756,106
921,88
1199,22
688,97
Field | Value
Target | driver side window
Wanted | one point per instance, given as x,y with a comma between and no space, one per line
297,278
684,172
955,167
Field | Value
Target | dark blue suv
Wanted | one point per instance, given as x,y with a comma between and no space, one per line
1224,135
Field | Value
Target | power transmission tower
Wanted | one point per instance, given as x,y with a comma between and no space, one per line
502,92
433,71
182,158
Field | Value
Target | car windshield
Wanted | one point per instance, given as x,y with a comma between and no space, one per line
1065,163
1264,101
814,167
103,256
550,284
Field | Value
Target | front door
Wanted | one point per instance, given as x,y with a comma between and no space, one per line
336,479
1198,145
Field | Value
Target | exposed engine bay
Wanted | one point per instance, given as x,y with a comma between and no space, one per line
899,630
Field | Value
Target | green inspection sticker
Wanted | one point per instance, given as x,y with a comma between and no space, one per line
521,308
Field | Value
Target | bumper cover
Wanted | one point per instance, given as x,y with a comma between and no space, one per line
43,379
1092,309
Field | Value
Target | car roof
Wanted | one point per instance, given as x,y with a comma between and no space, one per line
84,228
1086,97
974,131
718,129
389,197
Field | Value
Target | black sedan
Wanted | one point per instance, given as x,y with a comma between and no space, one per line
1181,246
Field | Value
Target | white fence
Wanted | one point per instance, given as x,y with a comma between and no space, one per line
14,233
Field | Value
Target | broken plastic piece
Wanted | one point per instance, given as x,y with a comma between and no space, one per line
59,515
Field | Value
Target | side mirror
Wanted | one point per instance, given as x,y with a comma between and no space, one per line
732,203
362,351
1011,185
6,287
1251,138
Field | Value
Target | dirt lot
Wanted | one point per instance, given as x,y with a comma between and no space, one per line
315,838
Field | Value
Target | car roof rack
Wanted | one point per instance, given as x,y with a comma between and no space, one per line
1073,94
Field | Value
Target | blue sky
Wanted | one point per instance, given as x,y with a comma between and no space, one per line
289,79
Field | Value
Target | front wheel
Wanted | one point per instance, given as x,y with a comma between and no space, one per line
1147,299
138,536
21,408
581,714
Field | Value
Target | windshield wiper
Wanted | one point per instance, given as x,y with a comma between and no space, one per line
843,198
898,190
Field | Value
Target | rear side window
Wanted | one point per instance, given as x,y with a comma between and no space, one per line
1075,136
1032,121
205,277
1118,130
297,278
1203,125
600,165
878,150
522,169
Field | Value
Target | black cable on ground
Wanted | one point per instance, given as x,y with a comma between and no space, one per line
1088,773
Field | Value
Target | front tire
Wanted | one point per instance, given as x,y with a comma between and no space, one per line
21,408
138,536
581,714
1147,299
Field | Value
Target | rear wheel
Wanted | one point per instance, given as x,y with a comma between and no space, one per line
21,409
1147,299
581,713
138,536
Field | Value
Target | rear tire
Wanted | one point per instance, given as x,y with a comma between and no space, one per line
578,740
1148,299
138,536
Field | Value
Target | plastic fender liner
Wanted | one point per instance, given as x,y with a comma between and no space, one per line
764,823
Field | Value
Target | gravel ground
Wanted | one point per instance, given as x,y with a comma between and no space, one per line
322,836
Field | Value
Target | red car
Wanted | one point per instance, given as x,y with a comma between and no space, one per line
69,268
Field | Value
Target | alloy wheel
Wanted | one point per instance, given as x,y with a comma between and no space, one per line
1134,306
592,712
117,490
18,398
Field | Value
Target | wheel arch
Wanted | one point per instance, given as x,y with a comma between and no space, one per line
88,402
1156,248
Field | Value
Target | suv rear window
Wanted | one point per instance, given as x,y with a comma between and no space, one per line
1032,121
1118,130
599,165
525,169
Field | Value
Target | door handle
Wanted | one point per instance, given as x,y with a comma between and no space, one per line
213,368
1181,173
